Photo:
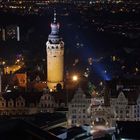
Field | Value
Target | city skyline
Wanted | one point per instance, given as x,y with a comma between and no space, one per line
70,69
97,47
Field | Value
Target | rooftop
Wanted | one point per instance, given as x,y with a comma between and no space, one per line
10,128
58,130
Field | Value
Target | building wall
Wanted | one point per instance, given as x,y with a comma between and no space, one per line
78,109
123,110
55,64
19,105
47,103
11,32
91,109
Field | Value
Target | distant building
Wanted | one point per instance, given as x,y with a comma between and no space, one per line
55,57
92,110
26,103
47,103
124,109
38,86
11,32
20,79
78,109
126,85
2,34
123,97
85,109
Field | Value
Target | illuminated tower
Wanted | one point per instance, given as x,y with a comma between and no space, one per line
55,56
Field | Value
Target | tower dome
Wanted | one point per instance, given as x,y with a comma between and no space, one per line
54,35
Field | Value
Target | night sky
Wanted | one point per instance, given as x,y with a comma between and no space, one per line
82,37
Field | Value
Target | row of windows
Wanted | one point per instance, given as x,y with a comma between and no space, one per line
47,105
127,116
125,103
122,103
122,111
13,112
127,111
75,105
79,111
97,109
17,99
56,53
78,100
47,98
55,47
75,121
80,116
76,117
12,104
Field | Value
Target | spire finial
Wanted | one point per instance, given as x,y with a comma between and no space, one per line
54,18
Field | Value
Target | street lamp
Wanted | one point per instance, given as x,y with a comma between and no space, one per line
74,78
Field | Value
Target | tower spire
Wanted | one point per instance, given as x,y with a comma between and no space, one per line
54,35
54,18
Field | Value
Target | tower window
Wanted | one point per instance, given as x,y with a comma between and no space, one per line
52,47
2,104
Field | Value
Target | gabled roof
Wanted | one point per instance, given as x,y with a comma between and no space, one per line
31,97
121,95
131,96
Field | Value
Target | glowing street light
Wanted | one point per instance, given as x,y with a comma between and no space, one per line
51,90
74,78
3,62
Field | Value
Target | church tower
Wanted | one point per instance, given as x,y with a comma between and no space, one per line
55,56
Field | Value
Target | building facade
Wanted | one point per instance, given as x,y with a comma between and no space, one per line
21,104
55,57
93,111
123,110
11,32
78,109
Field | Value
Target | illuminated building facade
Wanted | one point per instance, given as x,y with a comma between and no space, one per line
77,109
92,111
11,32
19,104
21,79
55,57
